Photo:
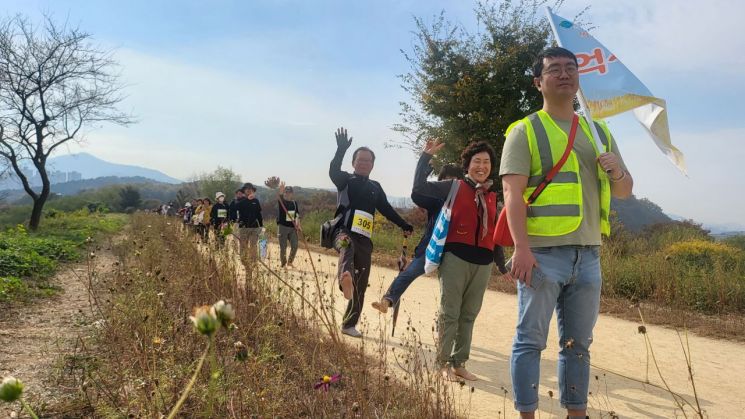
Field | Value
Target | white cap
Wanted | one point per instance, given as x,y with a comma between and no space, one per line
219,194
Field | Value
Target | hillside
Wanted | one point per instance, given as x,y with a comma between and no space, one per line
72,168
636,213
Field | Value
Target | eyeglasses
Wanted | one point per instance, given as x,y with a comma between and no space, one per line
556,72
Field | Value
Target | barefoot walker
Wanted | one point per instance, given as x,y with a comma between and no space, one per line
358,199
468,254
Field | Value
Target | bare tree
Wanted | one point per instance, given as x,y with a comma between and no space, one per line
53,84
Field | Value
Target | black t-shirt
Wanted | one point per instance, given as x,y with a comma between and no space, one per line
285,218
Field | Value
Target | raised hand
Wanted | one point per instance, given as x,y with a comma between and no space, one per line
432,146
341,138
282,187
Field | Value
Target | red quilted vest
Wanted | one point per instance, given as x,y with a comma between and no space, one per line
465,223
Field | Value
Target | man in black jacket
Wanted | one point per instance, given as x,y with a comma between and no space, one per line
357,200
288,213
250,222
232,213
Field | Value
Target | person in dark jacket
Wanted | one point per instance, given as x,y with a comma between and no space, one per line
358,198
288,223
250,223
415,269
232,213
469,251
219,216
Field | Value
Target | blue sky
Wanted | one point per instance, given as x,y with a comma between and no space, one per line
260,86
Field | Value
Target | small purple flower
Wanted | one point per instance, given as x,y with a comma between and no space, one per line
326,381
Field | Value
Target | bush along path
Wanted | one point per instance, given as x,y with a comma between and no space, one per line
162,348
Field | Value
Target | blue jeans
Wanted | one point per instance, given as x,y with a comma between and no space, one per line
571,285
404,279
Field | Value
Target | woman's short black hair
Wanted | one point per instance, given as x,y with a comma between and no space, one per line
476,147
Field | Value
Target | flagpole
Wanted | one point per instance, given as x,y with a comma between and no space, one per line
580,95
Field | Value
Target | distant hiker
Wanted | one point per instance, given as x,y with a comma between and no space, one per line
232,212
250,223
198,217
415,268
358,198
205,228
219,216
188,211
469,251
288,223
557,238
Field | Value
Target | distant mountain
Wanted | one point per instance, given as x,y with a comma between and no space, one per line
75,187
76,167
635,214
91,167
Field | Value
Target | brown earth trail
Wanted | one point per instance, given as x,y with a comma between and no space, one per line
38,339
619,356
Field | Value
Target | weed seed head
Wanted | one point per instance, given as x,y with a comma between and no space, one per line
205,320
241,352
224,312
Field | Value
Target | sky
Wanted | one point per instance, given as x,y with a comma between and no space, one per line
260,87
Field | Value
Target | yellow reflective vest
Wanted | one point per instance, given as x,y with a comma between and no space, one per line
558,209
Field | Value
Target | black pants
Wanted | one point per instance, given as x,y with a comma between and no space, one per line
355,256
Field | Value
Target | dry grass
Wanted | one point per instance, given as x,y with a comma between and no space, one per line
147,349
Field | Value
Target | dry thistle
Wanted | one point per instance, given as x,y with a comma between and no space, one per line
569,343
241,352
272,182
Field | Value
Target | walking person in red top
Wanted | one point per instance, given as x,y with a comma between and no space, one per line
469,251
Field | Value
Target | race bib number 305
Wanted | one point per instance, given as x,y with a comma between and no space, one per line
362,223
222,213
290,216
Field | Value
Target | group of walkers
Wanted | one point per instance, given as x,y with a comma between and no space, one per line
557,186
242,217
557,189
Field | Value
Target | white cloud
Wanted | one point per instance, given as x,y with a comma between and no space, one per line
672,36
711,193
194,118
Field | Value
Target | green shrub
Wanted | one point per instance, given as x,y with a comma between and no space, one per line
10,286
14,262
737,241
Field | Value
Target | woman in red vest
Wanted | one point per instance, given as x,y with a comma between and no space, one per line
465,268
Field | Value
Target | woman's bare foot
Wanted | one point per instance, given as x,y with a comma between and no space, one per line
447,374
347,286
463,373
382,305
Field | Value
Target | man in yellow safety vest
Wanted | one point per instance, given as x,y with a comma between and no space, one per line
557,238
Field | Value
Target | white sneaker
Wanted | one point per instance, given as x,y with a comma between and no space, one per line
351,331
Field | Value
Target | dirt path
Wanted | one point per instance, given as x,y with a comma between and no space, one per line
719,366
35,337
